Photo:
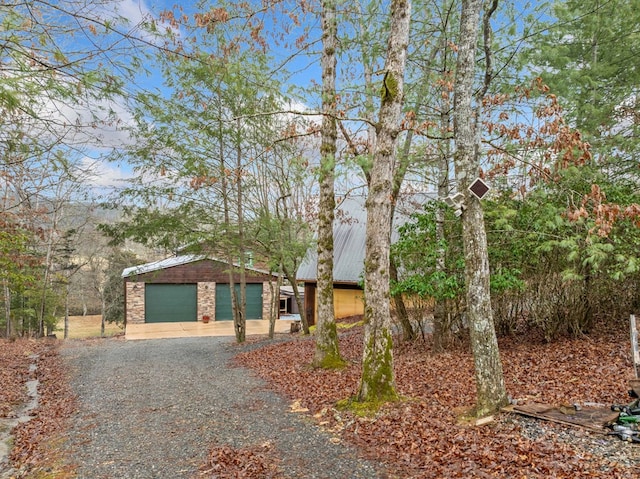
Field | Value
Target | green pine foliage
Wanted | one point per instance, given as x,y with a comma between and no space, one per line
549,272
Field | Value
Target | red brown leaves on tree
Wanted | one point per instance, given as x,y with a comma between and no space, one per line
605,214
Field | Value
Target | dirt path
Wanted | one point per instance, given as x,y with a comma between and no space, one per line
151,409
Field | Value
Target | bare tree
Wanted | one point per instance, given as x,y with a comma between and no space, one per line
491,392
378,380
327,353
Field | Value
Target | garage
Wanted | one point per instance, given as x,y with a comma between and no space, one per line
223,301
165,303
189,287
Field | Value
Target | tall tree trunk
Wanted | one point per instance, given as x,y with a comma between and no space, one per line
66,308
275,302
299,299
230,250
327,353
102,319
491,392
7,306
408,331
45,279
378,379
441,323
240,320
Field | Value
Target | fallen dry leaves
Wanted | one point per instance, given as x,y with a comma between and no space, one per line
420,437
36,443
224,462
15,359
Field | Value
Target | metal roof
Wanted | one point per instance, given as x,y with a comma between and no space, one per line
174,261
162,264
349,235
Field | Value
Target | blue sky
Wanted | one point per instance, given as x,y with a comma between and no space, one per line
137,12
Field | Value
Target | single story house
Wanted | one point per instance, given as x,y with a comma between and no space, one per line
349,239
349,233
188,287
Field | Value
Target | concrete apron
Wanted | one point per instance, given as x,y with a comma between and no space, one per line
198,328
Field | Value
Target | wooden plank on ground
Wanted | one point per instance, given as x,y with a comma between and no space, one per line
634,384
593,419
635,353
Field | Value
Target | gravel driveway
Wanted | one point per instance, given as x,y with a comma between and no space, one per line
150,409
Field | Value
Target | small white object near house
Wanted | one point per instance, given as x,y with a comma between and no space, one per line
456,202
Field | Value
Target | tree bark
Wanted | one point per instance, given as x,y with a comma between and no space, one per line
299,299
378,379
7,307
490,388
240,319
327,353
238,324
408,332
66,308
441,324
275,303
102,318
441,327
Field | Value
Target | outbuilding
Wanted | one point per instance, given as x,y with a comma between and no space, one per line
349,233
188,287
349,245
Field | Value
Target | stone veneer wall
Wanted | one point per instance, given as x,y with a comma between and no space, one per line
266,300
135,303
207,300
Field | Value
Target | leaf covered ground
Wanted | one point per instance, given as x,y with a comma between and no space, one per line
16,359
421,436
418,437
36,444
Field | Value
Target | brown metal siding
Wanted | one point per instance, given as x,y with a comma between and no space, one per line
199,271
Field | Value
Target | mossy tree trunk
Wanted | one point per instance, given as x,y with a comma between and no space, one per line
490,388
408,331
378,380
404,160
327,353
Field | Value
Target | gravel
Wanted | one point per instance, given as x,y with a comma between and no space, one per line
151,409
586,443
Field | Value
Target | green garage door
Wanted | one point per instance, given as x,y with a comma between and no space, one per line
223,301
167,303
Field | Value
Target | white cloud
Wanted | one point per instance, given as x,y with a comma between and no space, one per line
91,123
104,175
136,14
134,11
